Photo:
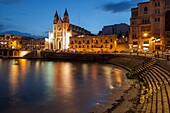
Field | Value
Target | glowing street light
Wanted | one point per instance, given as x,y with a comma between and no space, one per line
145,34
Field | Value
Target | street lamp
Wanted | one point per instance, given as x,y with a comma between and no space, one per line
145,34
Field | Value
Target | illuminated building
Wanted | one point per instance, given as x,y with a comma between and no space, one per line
8,41
99,43
150,26
58,39
4,40
33,44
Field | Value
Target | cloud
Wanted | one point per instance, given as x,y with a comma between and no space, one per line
9,1
122,6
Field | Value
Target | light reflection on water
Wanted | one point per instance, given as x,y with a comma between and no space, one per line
55,87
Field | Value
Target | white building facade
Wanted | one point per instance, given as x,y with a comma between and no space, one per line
59,37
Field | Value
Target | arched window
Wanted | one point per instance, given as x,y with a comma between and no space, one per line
145,10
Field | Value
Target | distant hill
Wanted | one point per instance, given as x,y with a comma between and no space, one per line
17,33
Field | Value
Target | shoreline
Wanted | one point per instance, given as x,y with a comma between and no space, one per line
125,97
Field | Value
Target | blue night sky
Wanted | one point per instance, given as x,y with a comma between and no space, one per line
36,16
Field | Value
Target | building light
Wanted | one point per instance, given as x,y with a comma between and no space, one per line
145,44
145,34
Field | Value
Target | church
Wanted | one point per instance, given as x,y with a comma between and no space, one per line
59,37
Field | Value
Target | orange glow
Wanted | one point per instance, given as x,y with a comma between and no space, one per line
63,78
145,34
23,65
118,73
14,77
23,53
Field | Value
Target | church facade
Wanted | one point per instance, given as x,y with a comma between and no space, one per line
59,37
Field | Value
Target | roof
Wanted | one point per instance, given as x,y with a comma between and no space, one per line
134,8
143,2
78,29
66,13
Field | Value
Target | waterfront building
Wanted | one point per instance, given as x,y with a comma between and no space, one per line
15,42
97,44
119,29
150,26
59,37
33,44
8,41
4,40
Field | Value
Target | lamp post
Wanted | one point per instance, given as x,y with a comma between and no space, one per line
145,35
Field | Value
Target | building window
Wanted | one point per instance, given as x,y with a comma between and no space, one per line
134,14
146,42
145,21
135,43
111,46
134,36
96,41
87,41
145,10
157,4
133,22
100,40
157,11
145,28
157,19
110,40
72,42
79,42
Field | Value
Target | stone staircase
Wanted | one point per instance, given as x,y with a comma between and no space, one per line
155,87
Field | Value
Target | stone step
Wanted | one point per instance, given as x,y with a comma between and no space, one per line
158,100
150,96
165,75
165,89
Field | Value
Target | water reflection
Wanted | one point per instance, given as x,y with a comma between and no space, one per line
55,87
13,78
63,76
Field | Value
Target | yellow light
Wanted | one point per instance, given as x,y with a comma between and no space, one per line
152,37
23,53
68,35
145,34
